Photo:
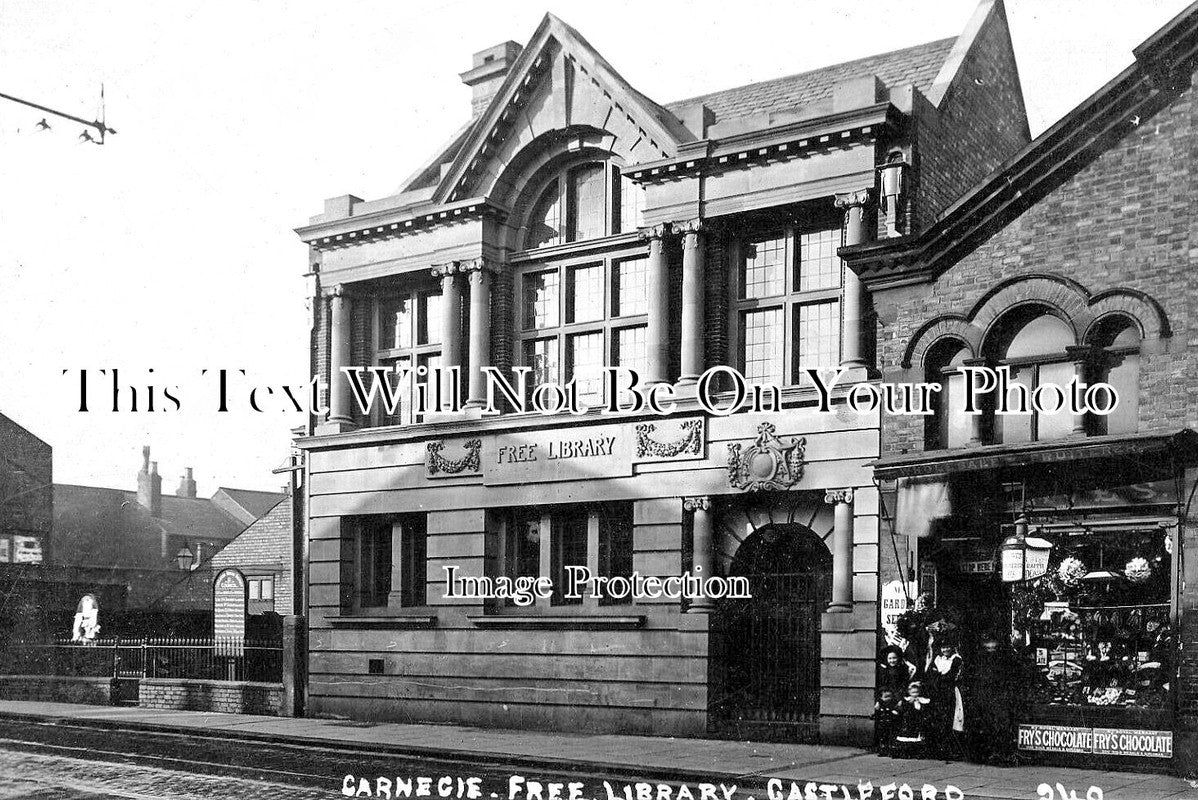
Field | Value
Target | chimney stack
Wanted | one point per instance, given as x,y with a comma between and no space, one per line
187,485
149,485
486,76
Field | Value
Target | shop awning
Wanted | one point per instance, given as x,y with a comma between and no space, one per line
1181,445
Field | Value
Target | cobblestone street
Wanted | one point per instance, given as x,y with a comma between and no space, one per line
36,776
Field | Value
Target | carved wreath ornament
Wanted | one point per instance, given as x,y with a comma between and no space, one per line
690,444
471,462
769,463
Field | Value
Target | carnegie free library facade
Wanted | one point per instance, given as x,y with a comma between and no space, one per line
575,223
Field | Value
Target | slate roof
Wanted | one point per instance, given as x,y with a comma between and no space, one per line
252,500
99,527
918,65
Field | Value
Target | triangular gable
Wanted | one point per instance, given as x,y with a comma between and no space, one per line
557,82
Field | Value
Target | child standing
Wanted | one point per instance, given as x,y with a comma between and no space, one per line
914,721
886,717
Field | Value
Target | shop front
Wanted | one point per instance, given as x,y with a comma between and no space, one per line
1067,551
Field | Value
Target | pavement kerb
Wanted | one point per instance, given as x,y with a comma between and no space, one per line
594,768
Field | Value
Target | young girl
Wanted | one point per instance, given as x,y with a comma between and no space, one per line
894,671
914,720
87,620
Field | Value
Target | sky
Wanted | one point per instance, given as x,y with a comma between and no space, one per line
171,248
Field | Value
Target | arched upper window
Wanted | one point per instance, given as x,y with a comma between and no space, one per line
1118,363
584,201
948,426
1033,344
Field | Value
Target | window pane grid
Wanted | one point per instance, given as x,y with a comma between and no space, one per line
818,335
762,345
632,287
541,355
632,205
819,267
586,363
586,293
762,270
586,202
630,348
541,293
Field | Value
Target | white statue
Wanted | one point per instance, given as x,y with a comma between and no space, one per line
87,620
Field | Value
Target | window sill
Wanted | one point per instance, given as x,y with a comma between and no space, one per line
388,621
562,622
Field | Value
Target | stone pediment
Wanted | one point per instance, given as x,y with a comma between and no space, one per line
559,86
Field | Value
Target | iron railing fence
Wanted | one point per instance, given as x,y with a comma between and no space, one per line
173,657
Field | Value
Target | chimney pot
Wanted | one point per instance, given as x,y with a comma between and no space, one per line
187,485
149,487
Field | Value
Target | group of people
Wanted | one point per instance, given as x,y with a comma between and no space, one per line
945,708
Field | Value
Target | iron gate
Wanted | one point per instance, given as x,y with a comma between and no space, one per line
765,650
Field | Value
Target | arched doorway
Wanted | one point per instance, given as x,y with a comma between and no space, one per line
764,680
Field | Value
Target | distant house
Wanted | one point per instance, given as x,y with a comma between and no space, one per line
26,513
136,550
263,554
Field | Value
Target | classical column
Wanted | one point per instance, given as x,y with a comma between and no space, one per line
479,275
451,325
693,312
856,231
657,334
842,549
703,548
1082,356
340,408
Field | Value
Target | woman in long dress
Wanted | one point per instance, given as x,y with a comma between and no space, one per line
942,677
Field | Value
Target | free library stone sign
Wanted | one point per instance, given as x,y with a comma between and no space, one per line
558,455
566,454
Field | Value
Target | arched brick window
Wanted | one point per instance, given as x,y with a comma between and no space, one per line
1032,343
1117,339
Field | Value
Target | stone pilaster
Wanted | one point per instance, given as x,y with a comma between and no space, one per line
693,299
657,333
703,549
853,313
842,549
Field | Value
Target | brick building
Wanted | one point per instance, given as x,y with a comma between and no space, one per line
1074,532
26,465
263,553
575,223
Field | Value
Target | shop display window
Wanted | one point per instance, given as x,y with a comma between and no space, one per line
1097,625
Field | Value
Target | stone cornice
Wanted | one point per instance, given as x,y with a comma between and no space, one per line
777,143
390,223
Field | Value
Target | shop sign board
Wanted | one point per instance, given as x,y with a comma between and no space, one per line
896,599
26,550
1096,741
5,550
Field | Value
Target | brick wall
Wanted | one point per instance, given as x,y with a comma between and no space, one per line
1124,222
979,123
25,480
264,548
225,697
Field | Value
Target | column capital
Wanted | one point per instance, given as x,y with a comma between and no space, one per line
689,226
860,197
835,496
654,232
480,264
336,290
693,504
446,270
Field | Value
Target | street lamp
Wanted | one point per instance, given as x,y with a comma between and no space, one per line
1023,557
183,557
